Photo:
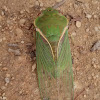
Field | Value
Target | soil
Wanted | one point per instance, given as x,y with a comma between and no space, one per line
18,76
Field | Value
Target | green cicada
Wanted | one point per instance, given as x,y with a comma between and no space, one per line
54,63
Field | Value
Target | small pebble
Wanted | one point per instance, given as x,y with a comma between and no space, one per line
41,4
37,3
7,80
73,33
4,68
87,30
20,92
84,96
22,22
2,13
7,75
96,66
3,94
94,60
19,32
22,42
94,77
5,8
12,78
2,39
33,67
96,46
22,11
88,16
78,24
4,98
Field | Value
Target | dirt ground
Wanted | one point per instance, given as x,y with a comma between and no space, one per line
18,77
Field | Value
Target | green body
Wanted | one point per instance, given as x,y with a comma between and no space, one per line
54,64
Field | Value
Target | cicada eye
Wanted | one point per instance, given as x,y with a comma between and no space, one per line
39,14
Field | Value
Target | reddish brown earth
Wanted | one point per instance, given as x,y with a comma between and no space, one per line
18,77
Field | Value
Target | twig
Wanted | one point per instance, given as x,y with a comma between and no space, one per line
81,92
59,4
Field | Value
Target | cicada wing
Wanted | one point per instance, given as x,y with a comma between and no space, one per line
64,69
45,68
51,87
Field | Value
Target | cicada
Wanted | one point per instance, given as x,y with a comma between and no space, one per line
53,55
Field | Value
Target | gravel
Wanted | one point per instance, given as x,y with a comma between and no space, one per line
41,4
88,16
7,80
33,67
78,24
73,33
96,29
22,22
87,30
19,32
16,52
37,3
